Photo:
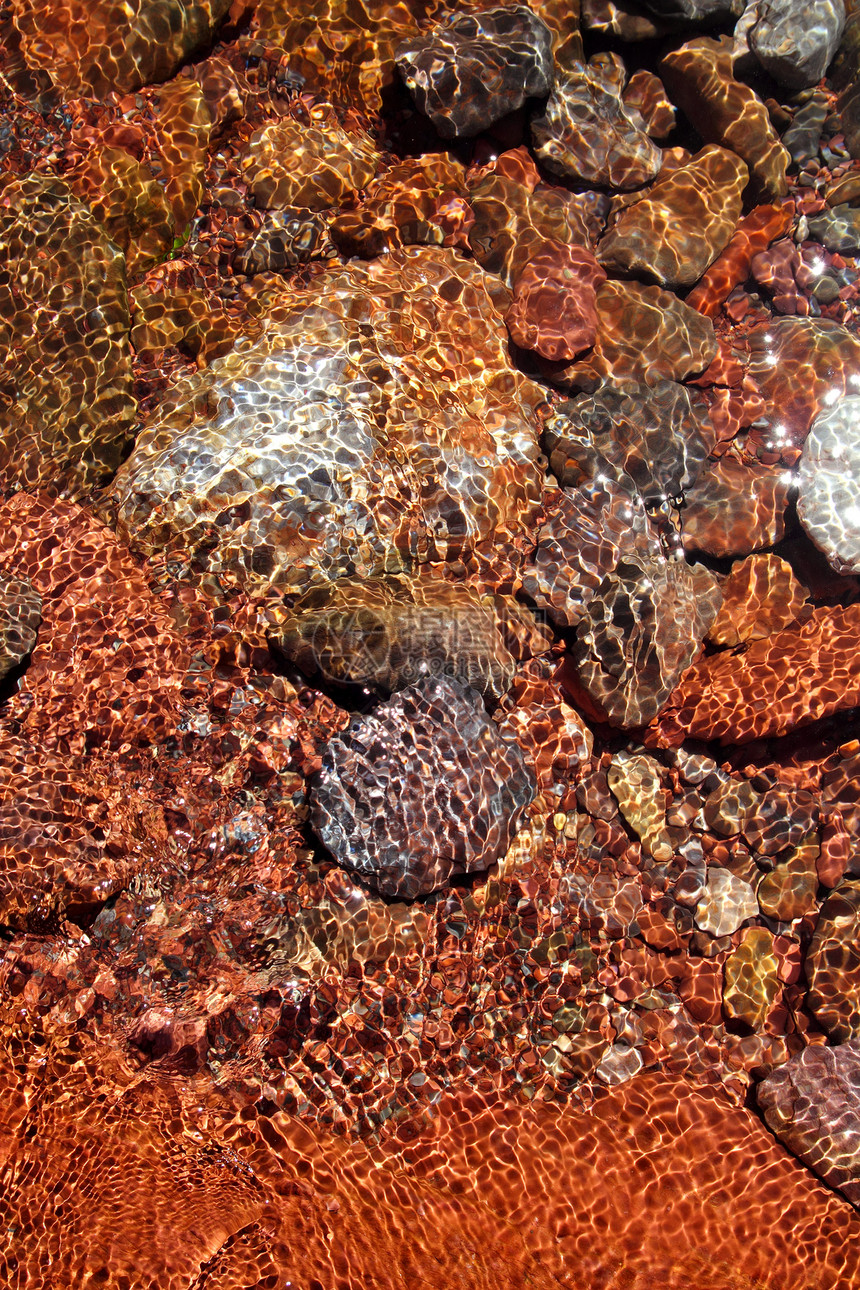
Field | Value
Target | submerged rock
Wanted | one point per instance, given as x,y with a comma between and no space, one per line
389,632
794,40
376,421
828,479
587,134
66,403
470,69
653,434
423,789
20,615
683,223
812,1104
90,47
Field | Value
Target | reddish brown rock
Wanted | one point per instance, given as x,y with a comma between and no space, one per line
761,595
734,509
90,47
67,405
699,77
554,309
644,92
788,680
514,220
732,267
835,850
682,224
788,891
312,164
643,333
801,367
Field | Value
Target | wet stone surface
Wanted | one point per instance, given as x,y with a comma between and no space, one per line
371,807
429,670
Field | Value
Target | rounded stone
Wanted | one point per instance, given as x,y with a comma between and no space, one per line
828,480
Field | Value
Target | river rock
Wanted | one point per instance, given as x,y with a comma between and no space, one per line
700,78
812,1104
588,135
421,790
470,69
643,334
682,224
388,632
258,468
832,964
794,42
828,479
20,615
67,405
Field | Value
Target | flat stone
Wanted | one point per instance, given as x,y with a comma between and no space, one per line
812,1104
795,41
788,891
727,902
68,404
554,309
734,509
699,76
644,92
761,595
514,221
828,480
728,807
643,334
470,69
89,47
832,964
313,166
422,789
387,633
587,134
644,626
683,223
256,469
635,782
774,686
752,983
341,50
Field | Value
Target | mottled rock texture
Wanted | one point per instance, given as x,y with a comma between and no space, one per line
682,224
260,469
66,402
388,632
20,615
812,1104
89,47
587,134
828,479
794,42
423,789
470,69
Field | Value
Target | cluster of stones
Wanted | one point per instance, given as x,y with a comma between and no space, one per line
428,611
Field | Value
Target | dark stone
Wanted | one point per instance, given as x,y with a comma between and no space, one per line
471,69
424,789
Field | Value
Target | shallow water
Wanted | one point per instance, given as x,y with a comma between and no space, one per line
428,647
